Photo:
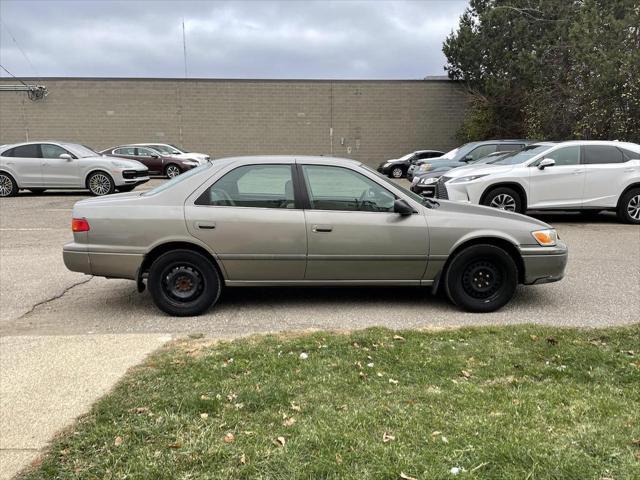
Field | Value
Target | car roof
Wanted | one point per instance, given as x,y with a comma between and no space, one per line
289,158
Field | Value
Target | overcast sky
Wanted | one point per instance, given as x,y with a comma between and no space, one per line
227,39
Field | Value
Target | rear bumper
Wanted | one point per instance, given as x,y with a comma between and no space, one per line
77,258
544,264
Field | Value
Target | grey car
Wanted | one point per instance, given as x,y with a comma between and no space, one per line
254,221
39,166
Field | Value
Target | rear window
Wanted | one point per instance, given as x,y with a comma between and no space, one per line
24,151
176,180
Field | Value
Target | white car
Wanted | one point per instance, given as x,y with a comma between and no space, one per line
38,166
576,175
172,150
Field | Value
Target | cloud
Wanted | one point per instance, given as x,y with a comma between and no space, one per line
228,39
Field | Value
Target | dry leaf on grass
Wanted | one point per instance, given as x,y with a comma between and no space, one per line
387,437
338,459
175,445
466,373
280,441
289,422
391,380
204,416
407,477
398,337
118,441
243,459
229,438
295,407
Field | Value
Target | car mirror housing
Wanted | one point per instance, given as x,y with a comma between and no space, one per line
546,162
66,156
402,208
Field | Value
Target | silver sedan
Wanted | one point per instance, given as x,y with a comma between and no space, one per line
39,166
288,221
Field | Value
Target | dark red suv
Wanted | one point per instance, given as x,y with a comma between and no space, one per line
156,162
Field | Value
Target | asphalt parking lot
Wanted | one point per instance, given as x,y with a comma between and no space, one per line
40,297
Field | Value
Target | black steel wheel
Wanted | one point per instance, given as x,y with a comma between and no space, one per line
481,278
184,283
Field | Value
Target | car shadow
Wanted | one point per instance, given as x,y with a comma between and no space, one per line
575,217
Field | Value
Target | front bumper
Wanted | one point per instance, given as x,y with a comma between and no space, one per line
544,264
130,176
78,258
428,191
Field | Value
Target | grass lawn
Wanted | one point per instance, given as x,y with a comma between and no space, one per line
521,402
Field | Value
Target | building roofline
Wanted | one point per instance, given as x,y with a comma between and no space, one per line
435,78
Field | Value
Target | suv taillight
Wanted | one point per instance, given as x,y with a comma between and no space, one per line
80,225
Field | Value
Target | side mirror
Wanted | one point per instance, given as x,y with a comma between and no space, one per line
66,156
467,159
546,162
402,208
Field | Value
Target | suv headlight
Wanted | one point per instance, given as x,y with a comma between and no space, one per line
546,238
428,181
191,163
425,167
118,164
468,178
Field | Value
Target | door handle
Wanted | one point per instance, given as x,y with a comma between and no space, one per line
206,225
322,228
578,172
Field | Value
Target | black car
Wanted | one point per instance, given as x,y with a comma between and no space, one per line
398,167
425,184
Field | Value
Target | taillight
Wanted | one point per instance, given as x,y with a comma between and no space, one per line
80,225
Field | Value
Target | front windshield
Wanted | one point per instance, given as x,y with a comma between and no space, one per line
162,148
176,149
524,155
175,180
80,151
450,155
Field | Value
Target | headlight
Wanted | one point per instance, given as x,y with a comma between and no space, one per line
191,163
425,167
468,178
546,238
428,181
118,164
387,164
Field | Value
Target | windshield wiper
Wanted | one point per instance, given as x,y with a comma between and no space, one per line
430,203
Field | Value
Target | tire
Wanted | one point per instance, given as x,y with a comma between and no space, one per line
184,283
100,183
172,170
37,191
8,186
397,172
126,188
475,266
504,198
629,207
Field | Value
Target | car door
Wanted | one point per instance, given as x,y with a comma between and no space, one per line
56,171
251,220
558,186
26,162
353,233
151,158
607,168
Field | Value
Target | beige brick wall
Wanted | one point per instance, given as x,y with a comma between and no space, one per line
371,120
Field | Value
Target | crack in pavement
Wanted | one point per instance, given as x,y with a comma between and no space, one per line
54,297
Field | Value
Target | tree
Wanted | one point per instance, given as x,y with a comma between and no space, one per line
549,69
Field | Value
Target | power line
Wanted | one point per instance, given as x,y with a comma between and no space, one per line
2,66
21,51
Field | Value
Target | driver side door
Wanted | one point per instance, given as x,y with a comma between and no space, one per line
353,232
56,171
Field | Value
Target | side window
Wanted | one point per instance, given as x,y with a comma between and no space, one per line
52,151
599,154
434,154
258,186
131,151
565,156
510,147
27,151
481,151
337,188
8,153
145,152
629,154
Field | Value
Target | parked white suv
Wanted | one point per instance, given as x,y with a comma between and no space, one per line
38,166
576,175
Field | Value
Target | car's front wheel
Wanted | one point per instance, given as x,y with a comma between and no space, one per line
629,207
172,170
396,172
101,183
183,283
8,186
504,198
481,278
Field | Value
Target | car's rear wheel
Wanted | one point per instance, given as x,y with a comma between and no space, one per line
481,278
629,207
8,186
37,191
172,170
100,183
504,198
397,172
183,283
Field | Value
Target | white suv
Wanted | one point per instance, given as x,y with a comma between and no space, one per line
576,175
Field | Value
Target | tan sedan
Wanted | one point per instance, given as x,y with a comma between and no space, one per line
286,221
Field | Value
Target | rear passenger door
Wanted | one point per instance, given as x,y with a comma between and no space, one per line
26,162
606,170
250,218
